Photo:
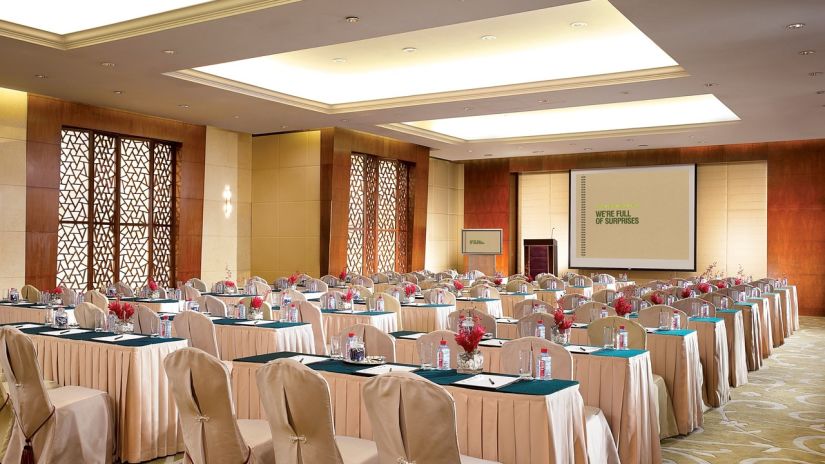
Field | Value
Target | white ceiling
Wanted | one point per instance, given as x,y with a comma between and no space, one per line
741,46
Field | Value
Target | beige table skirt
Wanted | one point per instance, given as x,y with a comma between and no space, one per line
492,308
425,319
765,327
144,410
159,307
13,314
550,296
786,306
753,334
238,341
713,353
507,330
775,313
504,427
597,287
735,327
334,323
507,302
794,306
586,291
621,284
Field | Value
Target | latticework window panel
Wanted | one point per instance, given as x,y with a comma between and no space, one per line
117,210
378,215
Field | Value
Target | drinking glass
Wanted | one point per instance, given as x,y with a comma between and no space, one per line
370,304
525,364
335,347
608,338
664,321
425,353
98,324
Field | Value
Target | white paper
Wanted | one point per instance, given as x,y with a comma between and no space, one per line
507,320
65,332
119,338
385,368
27,326
213,318
579,325
255,322
414,336
651,330
492,342
487,381
582,349
307,359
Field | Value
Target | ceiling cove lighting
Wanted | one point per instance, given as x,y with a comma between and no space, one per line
664,114
542,52
81,15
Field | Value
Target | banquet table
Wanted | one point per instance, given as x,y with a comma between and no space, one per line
775,314
765,327
618,382
425,317
159,305
753,334
790,320
794,306
230,298
536,421
336,321
713,353
550,296
599,286
735,327
28,312
490,306
581,290
507,328
674,355
131,371
238,338
509,299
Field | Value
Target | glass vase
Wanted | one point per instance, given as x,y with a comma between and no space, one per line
123,327
563,338
470,362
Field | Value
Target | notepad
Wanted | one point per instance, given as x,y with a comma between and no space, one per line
491,382
507,320
582,349
414,336
385,368
119,338
26,326
65,332
307,359
580,325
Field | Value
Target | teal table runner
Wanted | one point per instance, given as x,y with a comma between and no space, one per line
91,335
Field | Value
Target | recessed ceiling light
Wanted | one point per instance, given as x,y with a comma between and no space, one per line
587,149
339,60
488,37
117,92
536,152
467,108
643,145
795,25
107,64
469,151
344,120
169,52
578,24
352,19
236,117
815,73
544,101
409,49
807,52
183,106
711,84
488,155
40,76
624,92
284,127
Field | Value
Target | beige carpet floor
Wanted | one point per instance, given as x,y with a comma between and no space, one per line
778,417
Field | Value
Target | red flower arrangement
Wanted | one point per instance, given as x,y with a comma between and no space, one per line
57,291
622,306
123,311
292,279
562,324
528,278
468,339
458,285
343,275
738,281
497,281
409,290
256,303
685,293
349,296
657,299
721,284
228,284
153,286
704,287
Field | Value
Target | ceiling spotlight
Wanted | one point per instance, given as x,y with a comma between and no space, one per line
236,117
488,155
587,149
409,49
469,151
117,92
815,73
352,19
40,76
795,25
284,127
169,52
578,24
643,145
107,64
339,60
544,101
488,37
711,84
807,52
467,108
820,92
183,106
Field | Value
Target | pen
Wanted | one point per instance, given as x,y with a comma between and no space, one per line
301,360
65,332
491,381
118,337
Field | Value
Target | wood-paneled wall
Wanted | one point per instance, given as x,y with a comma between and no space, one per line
796,198
46,117
337,146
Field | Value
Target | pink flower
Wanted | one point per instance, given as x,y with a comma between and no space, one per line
657,299
153,286
704,287
458,285
685,293
721,284
622,306
123,311
257,302
468,339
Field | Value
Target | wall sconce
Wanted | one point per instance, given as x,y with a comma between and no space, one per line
227,201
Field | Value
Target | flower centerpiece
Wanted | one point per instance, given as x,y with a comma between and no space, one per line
123,313
153,288
685,293
657,299
458,286
721,284
497,281
256,304
563,326
346,299
293,281
57,294
737,281
703,287
229,286
471,361
409,292
343,276
622,306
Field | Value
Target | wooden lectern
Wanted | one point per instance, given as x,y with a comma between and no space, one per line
540,256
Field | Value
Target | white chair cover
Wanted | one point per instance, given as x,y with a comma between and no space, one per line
692,306
312,315
146,321
572,300
527,325
191,293
197,284
590,311
98,299
212,305
649,317
123,289
86,313
392,305
198,329
525,307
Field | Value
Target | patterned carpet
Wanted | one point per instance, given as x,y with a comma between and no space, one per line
778,417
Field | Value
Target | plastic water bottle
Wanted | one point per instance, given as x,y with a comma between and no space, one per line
442,360
676,321
540,329
621,338
705,309
285,298
485,293
331,302
603,312
544,365
293,313
349,345
241,311
379,303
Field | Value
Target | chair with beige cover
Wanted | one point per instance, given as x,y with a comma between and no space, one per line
601,447
678,282
199,330
433,340
212,305
427,284
311,314
487,321
30,293
265,309
551,282
410,277
191,293
69,296
211,432
693,306
124,290
337,295
376,342
650,317
316,285
478,291
362,291
198,284
391,305
63,425
432,296
363,281
637,340
525,307
572,301
296,401
636,303
86,314
475,274
281,283
605,296
98,299
513,284
719,300
382,287
294,295
380,278
331,280
591,311
403,408
146,321
527,325
261,288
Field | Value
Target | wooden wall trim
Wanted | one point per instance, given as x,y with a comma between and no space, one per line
337,146
487,192
46,117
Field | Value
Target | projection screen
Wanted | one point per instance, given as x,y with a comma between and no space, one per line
633,218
